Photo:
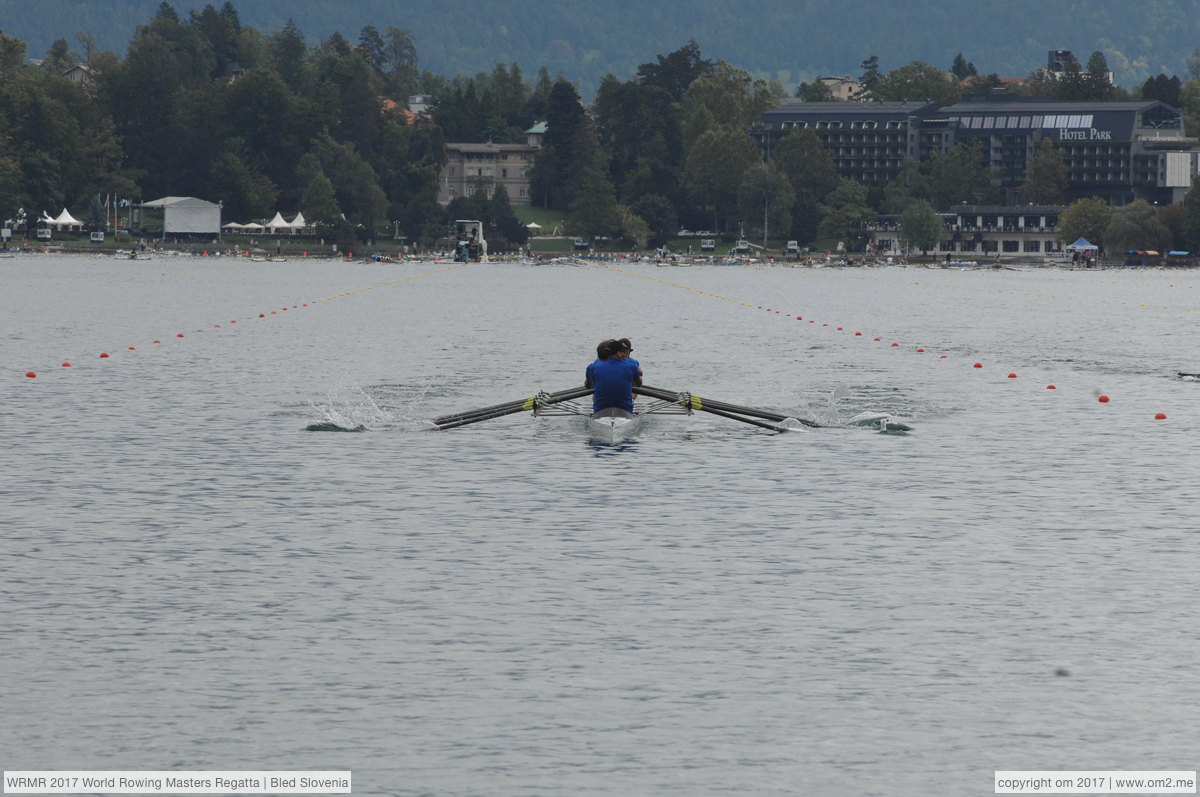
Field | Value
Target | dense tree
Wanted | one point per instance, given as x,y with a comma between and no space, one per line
814,92
1191,217
869,78
504,219
962,68
551,173
1085,218
593,211
1162,88
920,82
320,203
243,192
845,212
807,162
732,95
676,71
1046,177
1136,226
714,169
765,199
921,226
659,215
958,176
639,128
1096,79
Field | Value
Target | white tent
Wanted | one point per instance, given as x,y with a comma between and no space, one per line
299,223
1081,245
66,220
186,214
232,226
277,224
533,226
252,227
45,219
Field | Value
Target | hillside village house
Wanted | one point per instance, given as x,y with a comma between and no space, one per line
489,165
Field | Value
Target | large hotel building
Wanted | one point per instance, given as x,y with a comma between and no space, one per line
1120,151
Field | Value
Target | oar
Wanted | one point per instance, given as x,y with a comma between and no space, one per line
774,427
508,408
508,405
722,407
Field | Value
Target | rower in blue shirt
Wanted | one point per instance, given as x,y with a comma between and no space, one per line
613,376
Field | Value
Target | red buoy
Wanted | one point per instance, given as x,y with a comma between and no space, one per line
1162,416
66,365
921,351
31,374
977,365
133,348
103,354
179,334
1103,399
1051,387
1012,376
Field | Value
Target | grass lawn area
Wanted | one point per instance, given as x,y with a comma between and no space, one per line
549,219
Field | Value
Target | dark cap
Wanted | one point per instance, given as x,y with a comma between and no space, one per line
623,344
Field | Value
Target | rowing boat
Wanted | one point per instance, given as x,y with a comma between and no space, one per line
613,425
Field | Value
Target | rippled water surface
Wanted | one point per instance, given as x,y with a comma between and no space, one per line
193,580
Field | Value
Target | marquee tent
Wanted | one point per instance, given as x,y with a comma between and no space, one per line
187,214
66,221
1081,245
276,224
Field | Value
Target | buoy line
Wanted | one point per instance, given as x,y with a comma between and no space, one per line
1012,375
105,355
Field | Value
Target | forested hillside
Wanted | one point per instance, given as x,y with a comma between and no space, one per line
790,40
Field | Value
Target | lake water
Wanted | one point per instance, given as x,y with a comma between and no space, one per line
192,580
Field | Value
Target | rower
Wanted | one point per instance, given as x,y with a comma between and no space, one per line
613,376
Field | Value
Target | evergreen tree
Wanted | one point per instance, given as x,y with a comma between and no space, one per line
676,71
501,212
1099,87
593,211
962,68
869,78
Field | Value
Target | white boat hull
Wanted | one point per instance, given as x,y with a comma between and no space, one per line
613,425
